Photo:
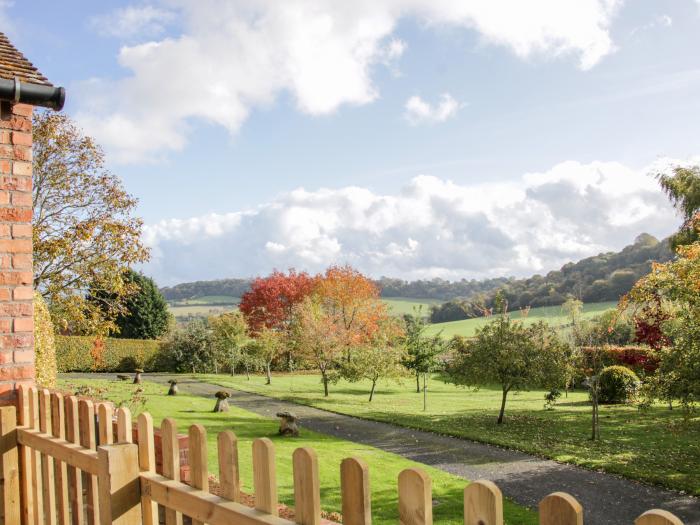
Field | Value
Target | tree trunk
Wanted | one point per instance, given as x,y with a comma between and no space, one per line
371,392
247,372
325,384
417,382
503,406
267,374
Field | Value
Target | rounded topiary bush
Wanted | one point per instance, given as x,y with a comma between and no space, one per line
618,384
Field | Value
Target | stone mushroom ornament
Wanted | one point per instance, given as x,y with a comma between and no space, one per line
288,424
172,391
221,401
137,377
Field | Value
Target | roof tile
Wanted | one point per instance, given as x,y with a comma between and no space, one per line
15,64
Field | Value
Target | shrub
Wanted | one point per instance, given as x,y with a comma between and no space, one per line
76,354
640,359
44,344
618,384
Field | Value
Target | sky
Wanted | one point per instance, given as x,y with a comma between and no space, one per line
409,138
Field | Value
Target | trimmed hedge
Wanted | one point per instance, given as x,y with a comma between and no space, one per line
81,354
618,384
44,344
640,359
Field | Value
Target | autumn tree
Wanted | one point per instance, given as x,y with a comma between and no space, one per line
379,356
85,234
230,337
317,336
515,357
353,300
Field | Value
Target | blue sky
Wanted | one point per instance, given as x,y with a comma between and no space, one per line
450,139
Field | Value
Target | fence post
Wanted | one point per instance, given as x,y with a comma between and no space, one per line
9,467
171,462
25,458
560,508
354,488
119,486
415,498
198,460
483,504
58,429
75,476
147,463
265,476
657,517
229,475
307,495
47,462
86,422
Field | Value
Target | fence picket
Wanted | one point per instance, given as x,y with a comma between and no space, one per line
483,504
47,463
560,508
229,476
37,478
105,412
265,476
86,420
307,495
354,489
657,517
147,463
415,498
171,462
120,491
25,460
75,477
9,467
198,460
124,425
58,429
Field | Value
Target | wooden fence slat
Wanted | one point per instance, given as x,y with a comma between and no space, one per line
560,508
147,463
171,462
229,476
265,476
37,478
9,467
75,477
105,412
415,498
58,429
483,504
124,426
307,490
120,490
86,411
354,489
25,459
657,517
198,459
47,463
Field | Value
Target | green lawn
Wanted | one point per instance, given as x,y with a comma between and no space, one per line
656,446
553,315
405,305
384,466
199,310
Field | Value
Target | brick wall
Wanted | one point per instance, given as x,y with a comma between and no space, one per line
16,309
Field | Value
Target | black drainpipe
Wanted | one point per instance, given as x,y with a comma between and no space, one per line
16,91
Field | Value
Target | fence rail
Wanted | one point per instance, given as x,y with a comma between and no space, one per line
70,461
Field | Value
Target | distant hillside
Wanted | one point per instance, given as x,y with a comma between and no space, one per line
603,277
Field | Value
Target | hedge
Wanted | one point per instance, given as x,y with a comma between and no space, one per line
640,359
44,344
88,354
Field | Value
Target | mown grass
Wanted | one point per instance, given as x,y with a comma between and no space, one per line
405,305
554,315
384,466
657,445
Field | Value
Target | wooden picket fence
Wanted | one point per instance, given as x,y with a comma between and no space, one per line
57,468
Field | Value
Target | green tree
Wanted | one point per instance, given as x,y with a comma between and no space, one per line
510,355
145,314
422,352
190,348
85,235
267,345
682,186
230,336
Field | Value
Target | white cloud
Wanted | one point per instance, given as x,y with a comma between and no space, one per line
418,111
132,21
232,57
429,228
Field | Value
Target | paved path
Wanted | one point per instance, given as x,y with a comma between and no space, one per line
607,499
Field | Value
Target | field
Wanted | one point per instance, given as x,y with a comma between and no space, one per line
403,305
553,315
656,445
384,466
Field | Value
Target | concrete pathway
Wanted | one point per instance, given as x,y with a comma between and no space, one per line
607,499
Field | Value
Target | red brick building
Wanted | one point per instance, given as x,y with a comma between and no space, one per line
22,87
